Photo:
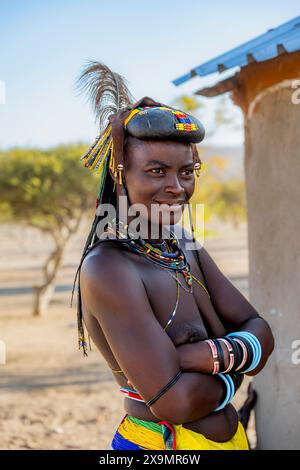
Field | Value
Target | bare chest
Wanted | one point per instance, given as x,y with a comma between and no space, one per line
195,318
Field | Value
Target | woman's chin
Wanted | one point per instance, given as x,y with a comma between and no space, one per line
171,218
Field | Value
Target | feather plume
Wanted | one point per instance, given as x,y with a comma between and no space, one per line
107,91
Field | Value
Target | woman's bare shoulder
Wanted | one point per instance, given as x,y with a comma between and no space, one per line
105,258
107,261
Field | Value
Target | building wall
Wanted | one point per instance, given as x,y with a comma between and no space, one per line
272,168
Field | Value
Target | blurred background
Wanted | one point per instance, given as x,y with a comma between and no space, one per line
52,397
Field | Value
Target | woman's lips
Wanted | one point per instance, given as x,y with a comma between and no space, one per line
170,207
170,203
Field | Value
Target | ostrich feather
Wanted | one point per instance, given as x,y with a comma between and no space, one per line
107,91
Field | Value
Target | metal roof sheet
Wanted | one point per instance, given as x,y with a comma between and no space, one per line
284,38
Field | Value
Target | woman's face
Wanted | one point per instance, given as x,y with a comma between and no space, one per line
159,172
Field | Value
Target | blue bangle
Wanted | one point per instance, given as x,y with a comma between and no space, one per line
228,394
255,345
251,338
232,387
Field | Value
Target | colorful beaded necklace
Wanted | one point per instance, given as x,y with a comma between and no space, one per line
172,258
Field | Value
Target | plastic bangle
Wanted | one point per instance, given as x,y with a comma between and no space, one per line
231,355
220,355
214,352
255,346
228,393
245,353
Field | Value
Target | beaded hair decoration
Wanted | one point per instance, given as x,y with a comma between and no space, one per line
101,151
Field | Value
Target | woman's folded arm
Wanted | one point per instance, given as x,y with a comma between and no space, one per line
235,310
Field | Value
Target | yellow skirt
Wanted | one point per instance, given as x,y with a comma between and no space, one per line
135,434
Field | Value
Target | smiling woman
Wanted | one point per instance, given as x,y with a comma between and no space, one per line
178,350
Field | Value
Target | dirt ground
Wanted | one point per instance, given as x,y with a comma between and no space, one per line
52,397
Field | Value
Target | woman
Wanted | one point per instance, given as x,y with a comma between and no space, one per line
178,336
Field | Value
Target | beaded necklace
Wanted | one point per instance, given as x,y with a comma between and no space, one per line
172,258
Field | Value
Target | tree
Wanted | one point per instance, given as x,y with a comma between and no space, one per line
48,190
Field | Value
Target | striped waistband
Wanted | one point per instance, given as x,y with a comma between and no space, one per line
135,433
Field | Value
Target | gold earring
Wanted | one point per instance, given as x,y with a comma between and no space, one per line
120,168
197,167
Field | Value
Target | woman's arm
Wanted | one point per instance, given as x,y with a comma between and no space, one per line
195,357
114,294
236,313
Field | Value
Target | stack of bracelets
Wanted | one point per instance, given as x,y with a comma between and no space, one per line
244,355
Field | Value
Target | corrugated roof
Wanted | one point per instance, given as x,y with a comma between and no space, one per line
284,38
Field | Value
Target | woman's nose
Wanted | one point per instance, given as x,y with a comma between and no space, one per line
173,185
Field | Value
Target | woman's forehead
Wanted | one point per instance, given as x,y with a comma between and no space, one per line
173,153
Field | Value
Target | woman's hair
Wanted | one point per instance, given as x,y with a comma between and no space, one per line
107,196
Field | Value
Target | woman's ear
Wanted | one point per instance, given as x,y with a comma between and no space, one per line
117,131
196,159
117,175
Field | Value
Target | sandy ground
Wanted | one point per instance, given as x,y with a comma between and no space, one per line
52,397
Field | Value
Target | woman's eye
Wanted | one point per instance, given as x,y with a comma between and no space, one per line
185,172
189,172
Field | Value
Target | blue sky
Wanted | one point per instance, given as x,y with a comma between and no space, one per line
43,45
